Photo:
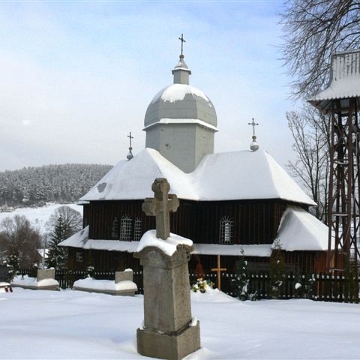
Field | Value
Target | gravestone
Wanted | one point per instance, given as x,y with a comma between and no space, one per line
44,274
4,273
122,286
45,280
169,331
127,275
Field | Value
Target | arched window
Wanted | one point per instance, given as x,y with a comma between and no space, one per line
125,228
137,229
226,230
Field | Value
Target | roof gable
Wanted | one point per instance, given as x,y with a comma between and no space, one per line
300,231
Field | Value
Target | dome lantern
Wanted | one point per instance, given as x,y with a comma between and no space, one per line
181,72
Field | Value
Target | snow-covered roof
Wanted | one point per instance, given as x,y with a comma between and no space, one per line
78,239
43,252
298,231
344,81
301,231
263,250
177,92
242,175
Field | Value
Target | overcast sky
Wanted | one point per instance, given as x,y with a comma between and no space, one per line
77,76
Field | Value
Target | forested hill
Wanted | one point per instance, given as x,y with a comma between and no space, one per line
51,183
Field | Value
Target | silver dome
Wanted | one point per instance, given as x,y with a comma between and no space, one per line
180,101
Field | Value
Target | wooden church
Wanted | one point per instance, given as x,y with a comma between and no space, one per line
230,203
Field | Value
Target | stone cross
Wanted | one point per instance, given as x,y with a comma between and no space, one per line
160,206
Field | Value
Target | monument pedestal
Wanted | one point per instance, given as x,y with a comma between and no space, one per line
169,332
162,346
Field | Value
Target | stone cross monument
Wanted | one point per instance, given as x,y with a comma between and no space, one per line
160,206
169,331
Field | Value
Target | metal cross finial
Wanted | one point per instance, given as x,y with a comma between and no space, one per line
130,154
130,137
182,44
253,123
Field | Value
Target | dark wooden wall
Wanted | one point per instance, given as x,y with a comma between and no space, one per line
254,222
307,261
102,260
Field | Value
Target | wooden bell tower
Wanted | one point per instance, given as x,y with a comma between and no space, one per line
340,102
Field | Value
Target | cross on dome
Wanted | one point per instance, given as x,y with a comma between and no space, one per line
130,137
182,45
253,124
253,146
130,154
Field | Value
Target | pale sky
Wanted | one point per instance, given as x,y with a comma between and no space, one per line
77,76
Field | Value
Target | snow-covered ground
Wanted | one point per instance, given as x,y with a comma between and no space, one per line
38,217
39,324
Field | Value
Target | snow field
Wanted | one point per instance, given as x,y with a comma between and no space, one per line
77,325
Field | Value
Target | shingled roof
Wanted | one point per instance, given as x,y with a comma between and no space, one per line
240,175
344,82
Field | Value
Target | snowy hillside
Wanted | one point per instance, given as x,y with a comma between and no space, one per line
50,183
38,216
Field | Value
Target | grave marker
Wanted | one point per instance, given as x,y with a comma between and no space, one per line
169,331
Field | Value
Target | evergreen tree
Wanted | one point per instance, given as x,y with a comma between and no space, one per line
303,285
351,282
277,271
14,266
241,282
57,255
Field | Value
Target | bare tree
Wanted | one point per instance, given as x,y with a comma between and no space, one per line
71,219
313,30
20,240
63,223
311,166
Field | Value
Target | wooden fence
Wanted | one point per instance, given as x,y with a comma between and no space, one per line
322,287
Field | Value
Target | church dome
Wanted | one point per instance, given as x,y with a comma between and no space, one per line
181,102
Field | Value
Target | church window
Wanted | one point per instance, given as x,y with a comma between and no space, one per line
115,231
226,229
125,228
137,229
